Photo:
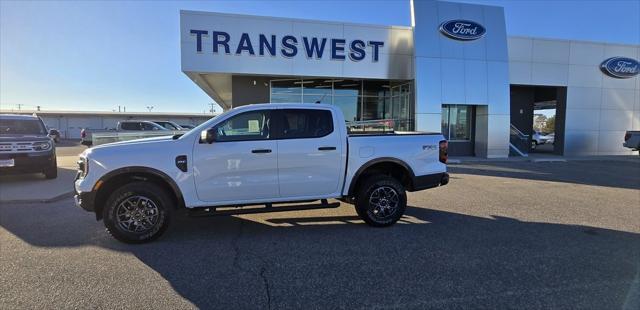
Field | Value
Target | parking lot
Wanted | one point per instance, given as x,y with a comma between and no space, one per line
500,235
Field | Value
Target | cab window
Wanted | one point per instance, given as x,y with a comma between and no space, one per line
253,125
130,126
149,126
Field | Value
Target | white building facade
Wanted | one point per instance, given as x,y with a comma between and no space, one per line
454,71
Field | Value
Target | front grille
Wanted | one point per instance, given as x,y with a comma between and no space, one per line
7,147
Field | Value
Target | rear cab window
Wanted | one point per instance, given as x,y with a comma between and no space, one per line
304,123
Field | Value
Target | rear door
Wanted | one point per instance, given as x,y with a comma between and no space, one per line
309,148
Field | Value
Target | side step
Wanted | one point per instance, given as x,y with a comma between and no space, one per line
235,210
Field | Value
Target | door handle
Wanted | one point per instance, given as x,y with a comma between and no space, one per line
260,151
327,148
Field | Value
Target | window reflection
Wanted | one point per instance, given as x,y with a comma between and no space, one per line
456,122
365,103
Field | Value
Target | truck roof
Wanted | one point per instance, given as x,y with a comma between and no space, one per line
18,117
287,105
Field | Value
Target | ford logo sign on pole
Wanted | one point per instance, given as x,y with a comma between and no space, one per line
464,30
620,67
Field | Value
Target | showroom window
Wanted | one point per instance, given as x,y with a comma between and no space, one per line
367,105
456,122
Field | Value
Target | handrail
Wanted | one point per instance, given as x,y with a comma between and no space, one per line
518,150
518,132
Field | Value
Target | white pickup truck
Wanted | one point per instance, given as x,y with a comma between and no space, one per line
251,158
130,130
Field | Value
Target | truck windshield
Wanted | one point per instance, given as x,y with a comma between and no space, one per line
21,127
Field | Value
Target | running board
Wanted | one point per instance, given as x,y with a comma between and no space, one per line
214,211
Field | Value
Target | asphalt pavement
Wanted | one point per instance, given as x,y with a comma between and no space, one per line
563,235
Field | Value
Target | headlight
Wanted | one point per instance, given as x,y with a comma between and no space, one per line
83,166
42,146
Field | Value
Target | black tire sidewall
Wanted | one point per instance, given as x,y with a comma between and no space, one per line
51,172
149,190
362,200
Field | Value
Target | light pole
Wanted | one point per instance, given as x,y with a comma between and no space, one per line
149,107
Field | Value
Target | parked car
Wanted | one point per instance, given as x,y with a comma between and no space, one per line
187,126
25,146
538,138
169,125
632,140
54,134
263,154
86,135
551,138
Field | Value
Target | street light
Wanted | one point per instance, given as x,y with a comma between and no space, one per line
149,107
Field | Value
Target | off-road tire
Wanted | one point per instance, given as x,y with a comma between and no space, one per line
367,211
51,172
155,194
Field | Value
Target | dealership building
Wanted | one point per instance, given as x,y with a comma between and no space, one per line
454,71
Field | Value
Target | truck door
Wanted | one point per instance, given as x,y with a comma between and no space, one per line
309,148
241,164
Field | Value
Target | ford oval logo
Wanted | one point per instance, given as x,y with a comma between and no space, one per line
620,67
461,29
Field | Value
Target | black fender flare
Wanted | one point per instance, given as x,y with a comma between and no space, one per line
147,170
376,161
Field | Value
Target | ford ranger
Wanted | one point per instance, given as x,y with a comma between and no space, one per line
254,159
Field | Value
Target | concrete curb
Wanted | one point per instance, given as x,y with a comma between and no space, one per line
548,160
48,200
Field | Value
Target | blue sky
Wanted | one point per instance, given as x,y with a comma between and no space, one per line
96,55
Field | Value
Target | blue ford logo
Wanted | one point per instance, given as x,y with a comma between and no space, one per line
461,29
620,67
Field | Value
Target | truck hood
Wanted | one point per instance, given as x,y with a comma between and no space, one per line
120,148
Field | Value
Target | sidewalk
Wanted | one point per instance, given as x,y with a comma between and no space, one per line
537,158
35,188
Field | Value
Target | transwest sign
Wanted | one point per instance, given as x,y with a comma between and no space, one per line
287,46
620,67
461,29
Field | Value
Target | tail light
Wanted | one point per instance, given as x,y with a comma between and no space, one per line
83,134
627,136
444,145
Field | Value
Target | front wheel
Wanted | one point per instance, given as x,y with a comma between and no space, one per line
381,201
137,212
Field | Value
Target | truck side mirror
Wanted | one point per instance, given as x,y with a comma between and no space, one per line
208,135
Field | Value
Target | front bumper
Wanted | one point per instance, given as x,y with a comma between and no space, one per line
29,162
85,201
627,145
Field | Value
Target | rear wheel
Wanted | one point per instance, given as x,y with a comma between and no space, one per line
381,201
137,212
